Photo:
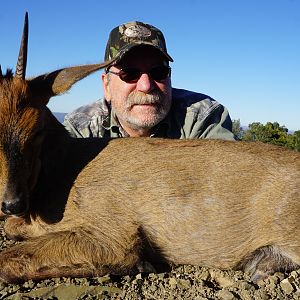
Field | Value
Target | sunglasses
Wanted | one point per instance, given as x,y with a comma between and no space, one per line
132,75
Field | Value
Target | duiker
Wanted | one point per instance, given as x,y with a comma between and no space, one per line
87,207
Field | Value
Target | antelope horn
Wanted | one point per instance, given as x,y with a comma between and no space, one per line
22,59
1,75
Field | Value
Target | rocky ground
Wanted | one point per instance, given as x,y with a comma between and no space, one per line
182,282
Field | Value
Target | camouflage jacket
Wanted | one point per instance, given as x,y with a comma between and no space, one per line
192,115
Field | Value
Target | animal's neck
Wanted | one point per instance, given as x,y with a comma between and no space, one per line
62,159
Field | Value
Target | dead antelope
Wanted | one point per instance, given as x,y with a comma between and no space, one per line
87,207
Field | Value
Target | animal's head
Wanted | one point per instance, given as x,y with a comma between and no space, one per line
22,120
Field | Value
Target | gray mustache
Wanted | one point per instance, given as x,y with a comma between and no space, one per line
136,98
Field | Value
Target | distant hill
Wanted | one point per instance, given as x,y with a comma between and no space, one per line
59,116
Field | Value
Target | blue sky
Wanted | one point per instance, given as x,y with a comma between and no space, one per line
243,53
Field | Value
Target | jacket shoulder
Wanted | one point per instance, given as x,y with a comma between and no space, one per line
193,101
82,115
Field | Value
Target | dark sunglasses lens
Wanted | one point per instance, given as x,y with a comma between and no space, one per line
130,75
159,73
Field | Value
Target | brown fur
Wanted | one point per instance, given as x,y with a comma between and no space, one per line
90,206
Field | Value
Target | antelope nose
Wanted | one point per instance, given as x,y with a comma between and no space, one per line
14,207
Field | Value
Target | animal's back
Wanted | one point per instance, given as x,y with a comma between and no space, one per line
198,201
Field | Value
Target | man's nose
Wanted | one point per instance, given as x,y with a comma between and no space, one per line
145,84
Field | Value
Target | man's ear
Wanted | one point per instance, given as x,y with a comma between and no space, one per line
106,87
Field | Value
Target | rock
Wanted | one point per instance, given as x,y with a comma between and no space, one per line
286,286
225,295
244,285
222,279
172,281
205,275
184,284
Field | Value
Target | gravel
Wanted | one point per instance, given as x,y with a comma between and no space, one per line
182,282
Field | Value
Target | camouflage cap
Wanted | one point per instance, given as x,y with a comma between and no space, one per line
126,36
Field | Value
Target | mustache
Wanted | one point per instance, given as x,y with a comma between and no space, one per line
138,98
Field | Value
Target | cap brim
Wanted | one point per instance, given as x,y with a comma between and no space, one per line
128,47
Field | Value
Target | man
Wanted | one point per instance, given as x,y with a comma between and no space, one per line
139,99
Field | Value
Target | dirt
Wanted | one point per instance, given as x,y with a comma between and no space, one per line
182,282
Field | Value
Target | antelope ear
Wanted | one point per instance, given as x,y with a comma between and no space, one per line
60,81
